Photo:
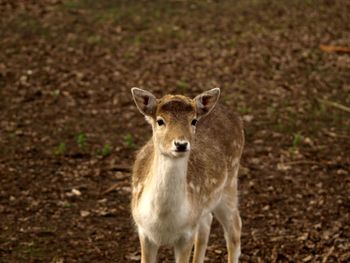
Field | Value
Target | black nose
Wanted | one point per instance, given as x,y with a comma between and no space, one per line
181,146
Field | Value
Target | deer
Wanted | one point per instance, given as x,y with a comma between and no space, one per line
185,174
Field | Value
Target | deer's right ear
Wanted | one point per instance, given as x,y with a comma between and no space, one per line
145,101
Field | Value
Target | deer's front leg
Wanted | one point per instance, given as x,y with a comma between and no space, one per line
183,249
148,249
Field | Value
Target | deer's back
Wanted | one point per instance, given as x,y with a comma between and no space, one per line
215,154
220,132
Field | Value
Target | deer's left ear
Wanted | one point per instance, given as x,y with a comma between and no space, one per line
145,101
206,101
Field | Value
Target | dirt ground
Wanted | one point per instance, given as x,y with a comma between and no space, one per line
69,128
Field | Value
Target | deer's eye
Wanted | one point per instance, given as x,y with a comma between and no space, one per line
160,122
194,122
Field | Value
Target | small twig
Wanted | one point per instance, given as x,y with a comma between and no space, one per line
302,162
335,105
110,189
330,251
79,186
335,135
327,48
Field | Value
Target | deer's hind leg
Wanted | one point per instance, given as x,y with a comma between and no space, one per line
201,239
228,215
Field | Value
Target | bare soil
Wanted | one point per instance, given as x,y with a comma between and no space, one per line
69,128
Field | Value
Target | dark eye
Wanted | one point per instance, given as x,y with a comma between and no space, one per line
194,122
160,122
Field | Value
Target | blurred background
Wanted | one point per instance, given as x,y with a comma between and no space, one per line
69,128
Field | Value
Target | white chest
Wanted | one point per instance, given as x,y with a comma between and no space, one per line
163,212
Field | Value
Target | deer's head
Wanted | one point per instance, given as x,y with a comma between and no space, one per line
174,118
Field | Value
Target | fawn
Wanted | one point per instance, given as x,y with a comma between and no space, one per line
185,173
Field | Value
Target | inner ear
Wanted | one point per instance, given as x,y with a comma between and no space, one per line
206,102
145,100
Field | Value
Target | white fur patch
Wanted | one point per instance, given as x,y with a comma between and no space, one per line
233,181
235,161
237,253
149,119
137,188
214,180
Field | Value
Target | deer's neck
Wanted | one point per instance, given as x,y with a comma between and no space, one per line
168,182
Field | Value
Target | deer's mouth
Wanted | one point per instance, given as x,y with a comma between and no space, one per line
182,153
181,150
